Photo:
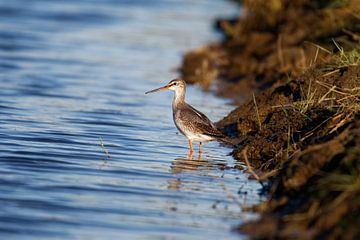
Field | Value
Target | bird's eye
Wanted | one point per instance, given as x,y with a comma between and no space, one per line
175,84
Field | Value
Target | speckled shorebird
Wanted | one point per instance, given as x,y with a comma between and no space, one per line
189,121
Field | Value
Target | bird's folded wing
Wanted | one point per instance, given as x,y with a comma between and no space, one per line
208,130
197,121
191,114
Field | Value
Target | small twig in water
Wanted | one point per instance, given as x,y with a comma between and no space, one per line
103,147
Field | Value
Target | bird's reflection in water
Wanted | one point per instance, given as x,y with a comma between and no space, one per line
191,163
198,173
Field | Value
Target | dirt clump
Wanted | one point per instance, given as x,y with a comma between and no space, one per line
303,136
316,193
271,42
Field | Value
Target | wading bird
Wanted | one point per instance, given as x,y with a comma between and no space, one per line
189,121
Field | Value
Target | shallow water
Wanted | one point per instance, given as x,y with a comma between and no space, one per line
84,153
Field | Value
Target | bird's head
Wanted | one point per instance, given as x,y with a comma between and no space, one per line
177,85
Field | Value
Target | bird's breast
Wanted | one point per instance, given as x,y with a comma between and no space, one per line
179,123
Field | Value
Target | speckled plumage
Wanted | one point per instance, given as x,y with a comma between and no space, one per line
194,124
189,121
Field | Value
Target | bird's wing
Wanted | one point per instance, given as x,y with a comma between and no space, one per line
209,130
198,120
197,116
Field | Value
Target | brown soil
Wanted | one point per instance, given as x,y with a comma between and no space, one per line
301,132
312,154
270,44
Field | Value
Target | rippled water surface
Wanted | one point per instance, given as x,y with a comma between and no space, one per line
84,153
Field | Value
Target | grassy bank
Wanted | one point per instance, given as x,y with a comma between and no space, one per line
293,68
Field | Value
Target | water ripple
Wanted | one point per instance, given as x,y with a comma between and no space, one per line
85,154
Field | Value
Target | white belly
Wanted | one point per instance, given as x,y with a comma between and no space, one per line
191,135
198,137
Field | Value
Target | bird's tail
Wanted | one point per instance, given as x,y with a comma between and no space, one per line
230,141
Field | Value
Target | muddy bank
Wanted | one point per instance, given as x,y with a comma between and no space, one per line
304,139
271,42
293,67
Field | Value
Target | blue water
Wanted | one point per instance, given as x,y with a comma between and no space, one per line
84,153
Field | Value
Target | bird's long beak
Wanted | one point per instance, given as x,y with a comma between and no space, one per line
158,89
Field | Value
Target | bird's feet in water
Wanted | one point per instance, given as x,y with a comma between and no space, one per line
191,154
191,147
191,151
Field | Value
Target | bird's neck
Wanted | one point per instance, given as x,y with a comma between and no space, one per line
179,98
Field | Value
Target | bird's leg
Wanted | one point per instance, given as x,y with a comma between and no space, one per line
200,151
191,147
